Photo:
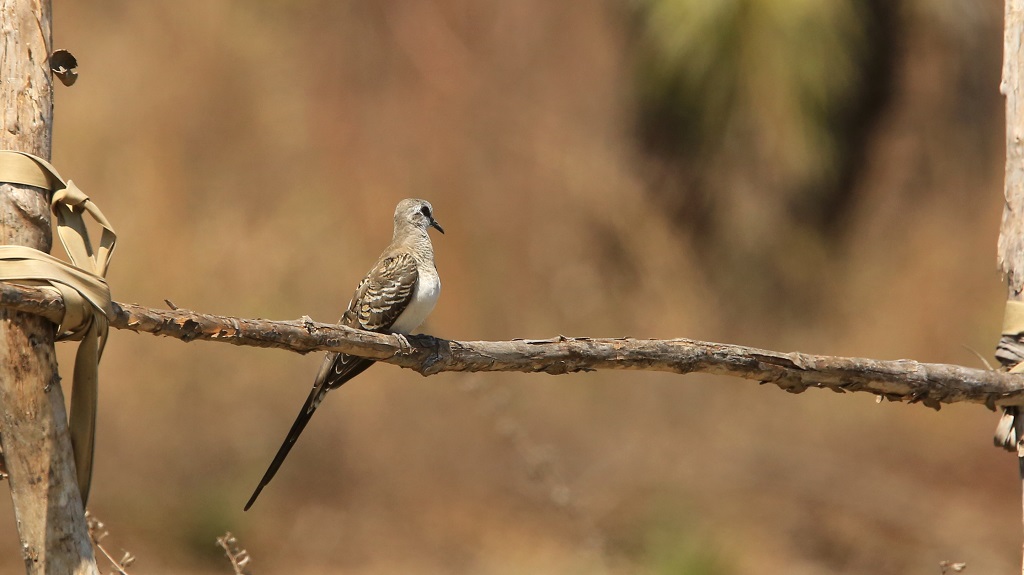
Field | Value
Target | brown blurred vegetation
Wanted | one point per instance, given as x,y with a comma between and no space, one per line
793,175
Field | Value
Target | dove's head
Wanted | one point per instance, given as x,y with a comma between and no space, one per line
416,213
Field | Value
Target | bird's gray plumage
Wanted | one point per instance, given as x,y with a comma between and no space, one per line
396,296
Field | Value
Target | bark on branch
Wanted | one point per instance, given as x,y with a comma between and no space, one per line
898,380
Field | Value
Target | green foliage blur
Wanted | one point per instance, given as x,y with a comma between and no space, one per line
778,74
758,113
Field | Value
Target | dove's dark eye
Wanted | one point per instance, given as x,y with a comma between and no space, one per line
425,211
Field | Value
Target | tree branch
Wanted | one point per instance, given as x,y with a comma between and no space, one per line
898,380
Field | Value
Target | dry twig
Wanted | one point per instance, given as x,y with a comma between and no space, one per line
97,532
895,380
955,567
239,558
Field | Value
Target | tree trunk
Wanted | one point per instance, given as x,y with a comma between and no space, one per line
33,423
1011,234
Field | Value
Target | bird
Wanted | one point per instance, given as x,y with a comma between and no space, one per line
397,294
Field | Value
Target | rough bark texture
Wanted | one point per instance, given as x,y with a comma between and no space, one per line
899,380
1010,350
1011,233
33,424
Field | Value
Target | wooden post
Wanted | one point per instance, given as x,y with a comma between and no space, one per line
33,423
1011,233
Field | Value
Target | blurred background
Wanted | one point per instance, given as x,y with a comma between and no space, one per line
814,176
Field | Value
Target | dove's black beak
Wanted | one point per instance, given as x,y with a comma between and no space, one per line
434,224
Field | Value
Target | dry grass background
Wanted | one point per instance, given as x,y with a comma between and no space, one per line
250,154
